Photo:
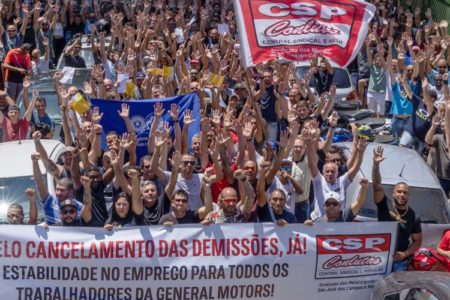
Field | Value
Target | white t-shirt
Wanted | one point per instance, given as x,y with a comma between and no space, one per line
288,189
321,187
40,67
192,187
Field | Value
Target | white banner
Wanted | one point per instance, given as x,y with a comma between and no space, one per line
234,261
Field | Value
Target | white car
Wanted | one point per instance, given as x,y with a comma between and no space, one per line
16,174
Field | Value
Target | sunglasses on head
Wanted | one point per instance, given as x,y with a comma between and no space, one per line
289,170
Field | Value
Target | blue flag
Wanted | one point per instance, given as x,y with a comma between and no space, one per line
141,116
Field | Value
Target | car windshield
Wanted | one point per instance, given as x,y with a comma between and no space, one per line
427,203
340,78
12,190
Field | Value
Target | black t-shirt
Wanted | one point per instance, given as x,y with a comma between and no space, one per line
345,216
409,225
132,220
98,209
266,214
74,61
323,81
153,214
191,217
420,121
267,104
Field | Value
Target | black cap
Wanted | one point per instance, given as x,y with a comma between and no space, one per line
67,202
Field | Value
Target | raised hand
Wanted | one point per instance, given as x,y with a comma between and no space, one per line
378,155
437,120
30,194
176,159
133,173
188,120
37,135
284,138
26,82
248,130
124,113
216,116
159,140
96,115
361,145
239,175
86,182
333,119
87,88
35,156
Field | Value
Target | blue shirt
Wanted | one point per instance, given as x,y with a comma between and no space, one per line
401,105
51,209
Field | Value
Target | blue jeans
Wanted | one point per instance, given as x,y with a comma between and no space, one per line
400,265
302,211
397,127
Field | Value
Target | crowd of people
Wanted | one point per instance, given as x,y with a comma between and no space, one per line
259,156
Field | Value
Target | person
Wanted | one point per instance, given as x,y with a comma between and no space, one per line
330,181
17,65
444,248
405,216
68,208
40,64
123,211
11,38
439,156
50,203
72,56
14,127
15,211
152,205
332,206
376,93
273,210
41,120
180,214
232,209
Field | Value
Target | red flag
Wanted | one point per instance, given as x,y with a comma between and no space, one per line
299,30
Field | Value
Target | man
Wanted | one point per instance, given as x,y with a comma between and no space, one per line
329,181
419,123
41,120
98,183
233,210
43,29
267,101
302,174
14,127
332,206
40,64
72,56
18,65
275,211
323,75
187,181
68,208
180,213
152,205
10,38
50,203
408,221
15,211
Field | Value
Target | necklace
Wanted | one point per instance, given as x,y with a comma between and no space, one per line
397,216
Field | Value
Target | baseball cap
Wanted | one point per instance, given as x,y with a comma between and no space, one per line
67,149
195,61
67,202
416,48
13,107
140,75
364,131
45,21
331,195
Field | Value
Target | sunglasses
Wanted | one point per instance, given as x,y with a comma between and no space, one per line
189,162
229,201
335,204
289,170
69,211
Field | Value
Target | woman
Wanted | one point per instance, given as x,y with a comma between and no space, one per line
122,212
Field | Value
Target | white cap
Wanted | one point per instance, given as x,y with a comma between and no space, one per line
332,195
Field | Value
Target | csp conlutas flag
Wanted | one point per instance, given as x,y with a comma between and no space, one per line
299,30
